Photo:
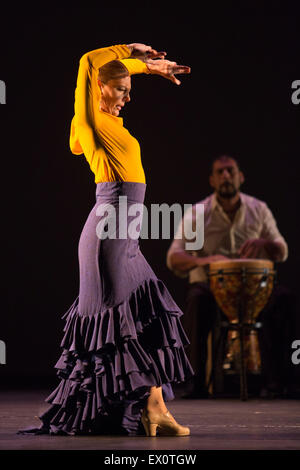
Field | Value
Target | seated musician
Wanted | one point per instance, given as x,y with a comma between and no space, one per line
236,225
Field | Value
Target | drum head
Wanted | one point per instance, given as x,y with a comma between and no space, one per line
241,263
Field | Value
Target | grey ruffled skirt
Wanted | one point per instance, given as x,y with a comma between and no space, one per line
122,334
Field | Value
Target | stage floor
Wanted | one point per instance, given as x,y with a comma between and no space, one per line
225,424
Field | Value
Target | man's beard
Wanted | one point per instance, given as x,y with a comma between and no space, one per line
227,191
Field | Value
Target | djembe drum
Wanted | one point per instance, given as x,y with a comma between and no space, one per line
242,288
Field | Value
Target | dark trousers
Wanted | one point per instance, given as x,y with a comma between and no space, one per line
278,320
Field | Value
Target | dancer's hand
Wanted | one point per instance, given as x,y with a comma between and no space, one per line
143,52
167,69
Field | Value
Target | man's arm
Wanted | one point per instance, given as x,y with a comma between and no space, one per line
182,261
179,260
275,244
270,240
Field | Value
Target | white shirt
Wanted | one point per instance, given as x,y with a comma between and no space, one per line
253,219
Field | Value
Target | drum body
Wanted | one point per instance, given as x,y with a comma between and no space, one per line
242,288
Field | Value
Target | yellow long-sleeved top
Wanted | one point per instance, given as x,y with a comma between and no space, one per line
111,151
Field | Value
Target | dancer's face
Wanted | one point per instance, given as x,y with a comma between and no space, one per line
114,95
226,178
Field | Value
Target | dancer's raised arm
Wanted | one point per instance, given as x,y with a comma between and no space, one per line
87,95
103,84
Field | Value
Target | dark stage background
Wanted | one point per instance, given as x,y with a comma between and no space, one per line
237,99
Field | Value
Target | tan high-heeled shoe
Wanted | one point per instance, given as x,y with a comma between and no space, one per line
162,423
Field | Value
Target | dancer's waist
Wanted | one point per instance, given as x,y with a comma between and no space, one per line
112,190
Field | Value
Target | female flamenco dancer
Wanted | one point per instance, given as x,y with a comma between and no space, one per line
123,342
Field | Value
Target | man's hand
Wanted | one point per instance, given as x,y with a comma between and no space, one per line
252,249
166,69
143,52
210,259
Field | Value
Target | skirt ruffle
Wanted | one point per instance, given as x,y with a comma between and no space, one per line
111,359
122,334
